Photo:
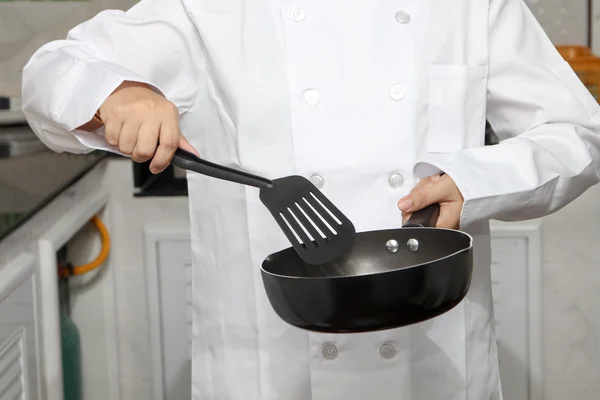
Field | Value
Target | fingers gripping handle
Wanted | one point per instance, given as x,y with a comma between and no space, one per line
425,218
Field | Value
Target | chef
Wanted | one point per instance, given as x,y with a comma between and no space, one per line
370,100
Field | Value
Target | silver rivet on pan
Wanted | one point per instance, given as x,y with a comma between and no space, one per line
413,245
392,246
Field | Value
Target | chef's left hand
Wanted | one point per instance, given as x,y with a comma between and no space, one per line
435,189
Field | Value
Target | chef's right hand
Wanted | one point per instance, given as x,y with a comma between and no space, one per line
143,124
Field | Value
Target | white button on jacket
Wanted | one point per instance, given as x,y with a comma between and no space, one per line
403,17
239,72
311,97
396,180
397,92
317,180
298,14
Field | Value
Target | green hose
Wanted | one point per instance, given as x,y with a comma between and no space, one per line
71,358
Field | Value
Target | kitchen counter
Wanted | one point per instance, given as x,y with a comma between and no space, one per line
29,182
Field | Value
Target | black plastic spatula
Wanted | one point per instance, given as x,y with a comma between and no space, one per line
318,231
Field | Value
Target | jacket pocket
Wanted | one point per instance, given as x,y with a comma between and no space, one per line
457,97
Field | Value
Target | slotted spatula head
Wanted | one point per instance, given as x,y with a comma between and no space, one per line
318,230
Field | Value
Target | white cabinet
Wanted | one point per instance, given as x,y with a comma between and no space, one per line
54,237
30,334
516,280
169,278
18,355
516,286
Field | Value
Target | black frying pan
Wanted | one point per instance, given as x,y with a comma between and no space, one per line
389,279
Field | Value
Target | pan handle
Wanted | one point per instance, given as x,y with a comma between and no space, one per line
425,218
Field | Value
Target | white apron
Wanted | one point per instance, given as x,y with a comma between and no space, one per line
341,93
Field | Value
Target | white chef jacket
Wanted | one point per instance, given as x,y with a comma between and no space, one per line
364,98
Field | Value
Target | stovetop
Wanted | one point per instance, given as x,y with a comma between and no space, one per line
30,181
18,139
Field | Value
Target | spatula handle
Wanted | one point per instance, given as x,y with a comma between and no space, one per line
186,160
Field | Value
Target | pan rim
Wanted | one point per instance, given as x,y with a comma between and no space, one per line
462,250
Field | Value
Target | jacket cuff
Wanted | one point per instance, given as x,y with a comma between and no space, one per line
94,81
471,212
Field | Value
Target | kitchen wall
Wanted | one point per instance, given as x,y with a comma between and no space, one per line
26,25
565,21
571,236
572,300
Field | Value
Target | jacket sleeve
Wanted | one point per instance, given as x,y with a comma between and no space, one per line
66,81
546,119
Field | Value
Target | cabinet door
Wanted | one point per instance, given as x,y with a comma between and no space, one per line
509,286
18,357
168,253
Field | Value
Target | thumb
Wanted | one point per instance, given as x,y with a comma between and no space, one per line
185,145
417,199
423,196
